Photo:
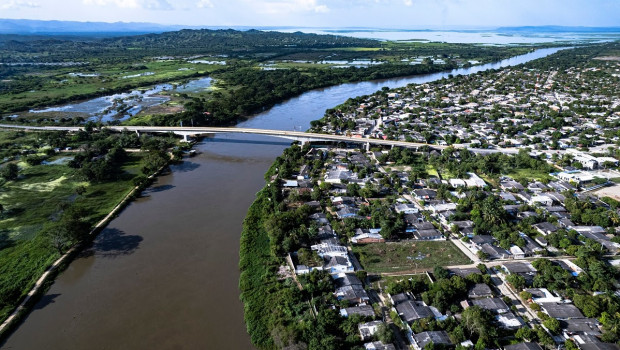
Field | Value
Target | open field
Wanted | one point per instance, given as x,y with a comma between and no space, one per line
519,174
33,200
612,192
403,256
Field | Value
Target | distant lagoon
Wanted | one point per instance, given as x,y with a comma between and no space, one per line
491,37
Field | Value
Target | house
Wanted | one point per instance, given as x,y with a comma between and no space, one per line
350,288
517,253
336,176
368,329
523,346
466,228
424,194
412,310
406,209
465,271
561,311
363,236
438,208
588,342
479,290
338,264
480,240
362,310
561,186
320,218
328,250
428,235
412,219
347,212
541,200
543,295
420,340
570,267
507,196
536,186
531,247
545,228
511,185
588,326
377,345
508,320
494,252
597,233
399,298
521,268
495,305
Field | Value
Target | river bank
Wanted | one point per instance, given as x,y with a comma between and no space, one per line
62,262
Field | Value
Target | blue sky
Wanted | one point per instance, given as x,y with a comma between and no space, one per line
324,13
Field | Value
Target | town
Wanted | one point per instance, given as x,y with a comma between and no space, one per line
429,249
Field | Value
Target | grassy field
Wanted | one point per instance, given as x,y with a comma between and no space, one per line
403,256
526,174
35,199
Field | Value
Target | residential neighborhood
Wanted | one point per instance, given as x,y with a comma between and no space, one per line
428,248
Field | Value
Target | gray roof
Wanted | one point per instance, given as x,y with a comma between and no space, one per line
519,267
436,337
465,271
482,239
424,234
377,345
479,290
411,311
491,304
523,346
562,311
363,310
582,326
347,279
399,298
593,343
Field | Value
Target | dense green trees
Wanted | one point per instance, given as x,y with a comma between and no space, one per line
9,171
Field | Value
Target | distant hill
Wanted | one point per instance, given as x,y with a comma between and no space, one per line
27,26
559,29
176,43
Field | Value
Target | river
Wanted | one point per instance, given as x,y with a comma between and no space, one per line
164,274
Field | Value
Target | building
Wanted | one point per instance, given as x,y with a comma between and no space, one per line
420,340
523,346
410,311
368,329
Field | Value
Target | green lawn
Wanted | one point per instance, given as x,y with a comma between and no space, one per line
35,199
403,256
529,174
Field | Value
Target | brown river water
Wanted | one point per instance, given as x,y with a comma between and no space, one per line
164,274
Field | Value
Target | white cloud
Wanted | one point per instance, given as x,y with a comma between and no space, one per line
129,4
283,7
204,4
157,5
17,4
118,3
408,2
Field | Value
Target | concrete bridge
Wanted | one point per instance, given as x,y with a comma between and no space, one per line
302,137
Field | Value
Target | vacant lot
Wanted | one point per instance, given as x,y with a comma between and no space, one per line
408,256
613,192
